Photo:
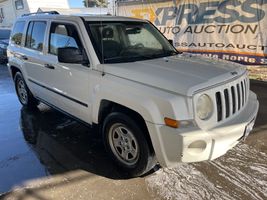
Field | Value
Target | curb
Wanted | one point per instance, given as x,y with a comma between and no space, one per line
253,81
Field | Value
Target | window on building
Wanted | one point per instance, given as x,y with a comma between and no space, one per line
63,35
19,4
35,35
1,15
17,33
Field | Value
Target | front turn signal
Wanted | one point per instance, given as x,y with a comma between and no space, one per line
171,122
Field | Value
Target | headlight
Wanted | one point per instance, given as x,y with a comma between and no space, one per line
204,107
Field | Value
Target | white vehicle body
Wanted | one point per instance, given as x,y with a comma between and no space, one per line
156,89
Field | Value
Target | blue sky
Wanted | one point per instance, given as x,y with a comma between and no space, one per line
76,3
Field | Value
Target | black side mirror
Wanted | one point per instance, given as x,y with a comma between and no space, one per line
72,55
171,42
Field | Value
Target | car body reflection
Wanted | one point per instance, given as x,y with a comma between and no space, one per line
62,144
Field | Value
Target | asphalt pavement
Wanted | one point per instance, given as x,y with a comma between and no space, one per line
47,155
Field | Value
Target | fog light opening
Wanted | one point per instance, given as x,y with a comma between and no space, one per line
197,146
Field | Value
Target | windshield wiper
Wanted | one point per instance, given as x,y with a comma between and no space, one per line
172,53
161,55
119,59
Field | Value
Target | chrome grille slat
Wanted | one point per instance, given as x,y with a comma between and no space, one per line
227,105
219,106
245,85
238,96
242,93
231,99
223,106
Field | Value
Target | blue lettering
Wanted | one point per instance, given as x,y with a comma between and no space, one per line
226,12
233,14
258,14
203,12
157,22
168,14
189,17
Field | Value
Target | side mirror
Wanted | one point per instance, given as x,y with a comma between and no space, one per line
72,55
171,42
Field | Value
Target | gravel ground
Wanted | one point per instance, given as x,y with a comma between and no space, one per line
258,72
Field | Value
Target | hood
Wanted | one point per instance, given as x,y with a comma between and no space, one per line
183,74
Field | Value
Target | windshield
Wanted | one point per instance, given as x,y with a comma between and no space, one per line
118,42
4,34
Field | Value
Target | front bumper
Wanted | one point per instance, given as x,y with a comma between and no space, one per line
194,144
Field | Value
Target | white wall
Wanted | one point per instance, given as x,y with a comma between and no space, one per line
20,12
8,12
35,4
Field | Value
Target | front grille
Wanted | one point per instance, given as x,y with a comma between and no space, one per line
232,99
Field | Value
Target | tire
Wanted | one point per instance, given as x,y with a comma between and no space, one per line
3,61
24,94
126,144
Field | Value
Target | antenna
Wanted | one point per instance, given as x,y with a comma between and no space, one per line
102,44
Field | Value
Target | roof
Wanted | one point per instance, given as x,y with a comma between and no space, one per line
75,11
109,18
86,17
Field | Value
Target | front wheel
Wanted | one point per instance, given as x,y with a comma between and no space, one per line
126,143
24,94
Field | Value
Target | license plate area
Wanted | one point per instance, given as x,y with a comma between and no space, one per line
248,129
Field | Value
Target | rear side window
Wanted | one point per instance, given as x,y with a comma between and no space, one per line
17,33
4,34
63,35
35,35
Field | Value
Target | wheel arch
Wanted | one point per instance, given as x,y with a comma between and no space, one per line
14,70
106,107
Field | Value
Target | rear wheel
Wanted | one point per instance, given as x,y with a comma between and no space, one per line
126,143
3,60
24,94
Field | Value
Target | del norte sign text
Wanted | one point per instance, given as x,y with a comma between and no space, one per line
234,30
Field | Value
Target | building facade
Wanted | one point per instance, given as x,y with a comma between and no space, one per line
11,9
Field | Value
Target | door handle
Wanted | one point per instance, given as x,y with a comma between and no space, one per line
49,66
23,57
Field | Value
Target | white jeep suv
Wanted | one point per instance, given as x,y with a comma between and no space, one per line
153,104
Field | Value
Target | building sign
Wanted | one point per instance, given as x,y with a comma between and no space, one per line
232,30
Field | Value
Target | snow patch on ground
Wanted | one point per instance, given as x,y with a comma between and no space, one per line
240,174
183,182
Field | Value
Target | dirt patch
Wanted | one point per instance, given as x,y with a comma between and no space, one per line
258,72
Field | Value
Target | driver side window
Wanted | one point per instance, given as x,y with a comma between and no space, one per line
63,35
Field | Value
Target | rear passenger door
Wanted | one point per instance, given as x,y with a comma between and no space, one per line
68,85
31,55
16,45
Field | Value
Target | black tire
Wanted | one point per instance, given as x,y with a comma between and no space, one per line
26,99
145,160
3,61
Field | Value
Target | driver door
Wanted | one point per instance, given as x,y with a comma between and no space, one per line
67,85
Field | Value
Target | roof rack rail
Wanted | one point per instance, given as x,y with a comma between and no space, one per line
38,13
